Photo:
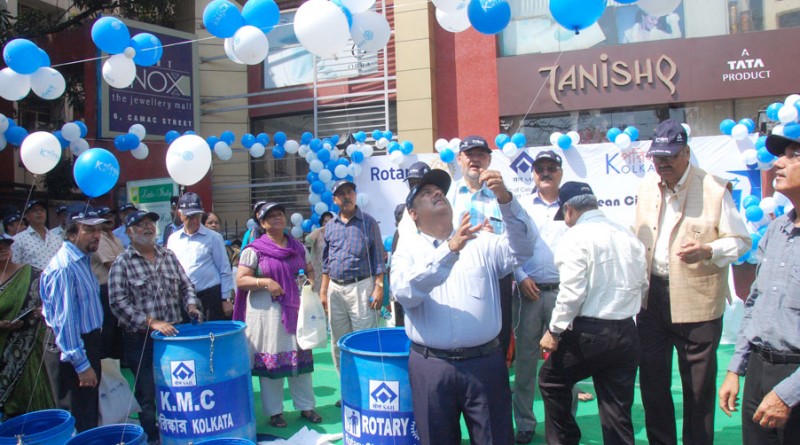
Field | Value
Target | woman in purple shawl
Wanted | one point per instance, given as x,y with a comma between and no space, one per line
268,300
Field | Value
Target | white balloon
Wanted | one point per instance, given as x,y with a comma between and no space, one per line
3,123
554,138
188,159
382,143
454,144
455,21
119,71
350,149
362,199
659,7
396,157
341,171
14,86
750,157
136,129
311,156
3,142
739,132
688,129
257,150
325,175
358,6
370,31
576,138
791,99
355,170
764,166
78,146
303,150
297,231
768,205
250,45
368,150
223,150
778,129
320,208
40,152
71,131
321,27
440,144
296,219
327,146
315,166
140,152
450,5
787,114
291,146
780,199
228,46
314,198
623,141
510,149
48,83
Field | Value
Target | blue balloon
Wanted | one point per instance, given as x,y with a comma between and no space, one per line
278,152
387,243
564,141
148,49
751,200
753,213
360,136
327,197
324,155
263,14
347,14
314,218
762,230
612,133
633,132
377,134
489,16
393,146
222,18
119,142
188,132
212,142
279,138
331,165
388,134
317,187
334,207
131,141
45,58
263,139
761,142
773,109
747,122
576,15
726,126
64,143
791,130
764,156
501,139
334,139
83,127
248,140
315,145
447,155
111,35
306,138
407,147
357,156
12,122
228,136
779,211
96,171
343,161
755,238
519,140
171,136
22,56
306,225
311,177
15,135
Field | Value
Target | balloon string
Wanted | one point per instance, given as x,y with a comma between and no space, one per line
535,97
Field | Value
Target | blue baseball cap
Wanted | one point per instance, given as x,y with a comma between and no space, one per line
138,215
437,177
568,191
668,139
470,142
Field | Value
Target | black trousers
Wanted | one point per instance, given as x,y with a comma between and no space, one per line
139,354
68,395
112,333
606,350
696,344
211,299
506,303
478,388
761,378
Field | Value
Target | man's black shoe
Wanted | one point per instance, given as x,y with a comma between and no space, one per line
524,436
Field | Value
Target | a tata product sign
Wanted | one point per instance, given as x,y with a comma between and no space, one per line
670,71
163,97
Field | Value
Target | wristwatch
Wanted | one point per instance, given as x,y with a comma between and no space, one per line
556,335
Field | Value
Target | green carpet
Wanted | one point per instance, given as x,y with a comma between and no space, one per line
326,387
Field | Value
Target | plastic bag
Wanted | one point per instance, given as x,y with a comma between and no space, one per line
312,324
116,398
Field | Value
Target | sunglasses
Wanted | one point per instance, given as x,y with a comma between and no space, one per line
549,169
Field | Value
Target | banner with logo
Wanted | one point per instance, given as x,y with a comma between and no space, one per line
153,195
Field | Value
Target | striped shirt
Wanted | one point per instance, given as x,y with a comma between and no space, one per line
139,289
353,249
71,302
480,205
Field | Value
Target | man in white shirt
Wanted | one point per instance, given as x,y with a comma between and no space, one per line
61,220
447,281
602,268
36,245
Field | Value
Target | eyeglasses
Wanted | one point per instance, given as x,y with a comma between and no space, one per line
549,169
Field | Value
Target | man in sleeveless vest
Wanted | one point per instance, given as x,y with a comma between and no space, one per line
692,232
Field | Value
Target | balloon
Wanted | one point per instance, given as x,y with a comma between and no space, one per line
456,21
71,131
111,35
297,231
407,147
358,6
64,143
787,114
396,157
633,132
222,18
772,110
659,7
317,187
764,155
22,56
768,205
296,219
612,133
138,130
325,175
188,159
78,147
141,152
228,136
370,31
4,123
324,155
574,136
171,136
40,152
753,213
519,140
148,49
321,27
263,139
750,157
347,14
450,5
623,141
500,140
510,149
119,71
306,138
327,197
726,126
315,166
382,143
388,135
96,171
223,151
263,14
14,86
749,123
227,45
306,225
320,207
387,243
447,155
341,171
48,83
3,142
362,199
791,130
248,140
564,142
279,138
688,129
250,45
576,15
16,135
368,150
393,146
355,170
489,16
291,146
278,152
750,200
554,138
739,132
257,150
315,145
357,157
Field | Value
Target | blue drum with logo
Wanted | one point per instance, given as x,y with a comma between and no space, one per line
45,427
376,395
126,434
204,389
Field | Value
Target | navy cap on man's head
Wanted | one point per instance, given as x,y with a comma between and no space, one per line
568,191
12,217
126,207
668,139
437,177
32,203
776,143
89,218
190,204
135,217
417,170
470,142
340,183
104,212
547,155
61,209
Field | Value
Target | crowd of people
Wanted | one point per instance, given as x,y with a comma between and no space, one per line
471,267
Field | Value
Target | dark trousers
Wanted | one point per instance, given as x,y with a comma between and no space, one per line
211,299
442,390
761,378
506,303
696,344
68,395
606,350
138,352
112,333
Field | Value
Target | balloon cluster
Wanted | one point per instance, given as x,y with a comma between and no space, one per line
565,141
324,27
758,213
486,16
738,131
10,132
244,32
111,35
510,145
624,138
447,149
29,69
132,141
72,135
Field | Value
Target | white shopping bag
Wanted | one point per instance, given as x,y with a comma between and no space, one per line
312,331
116,398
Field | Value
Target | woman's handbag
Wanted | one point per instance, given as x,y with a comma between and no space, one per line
312,324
